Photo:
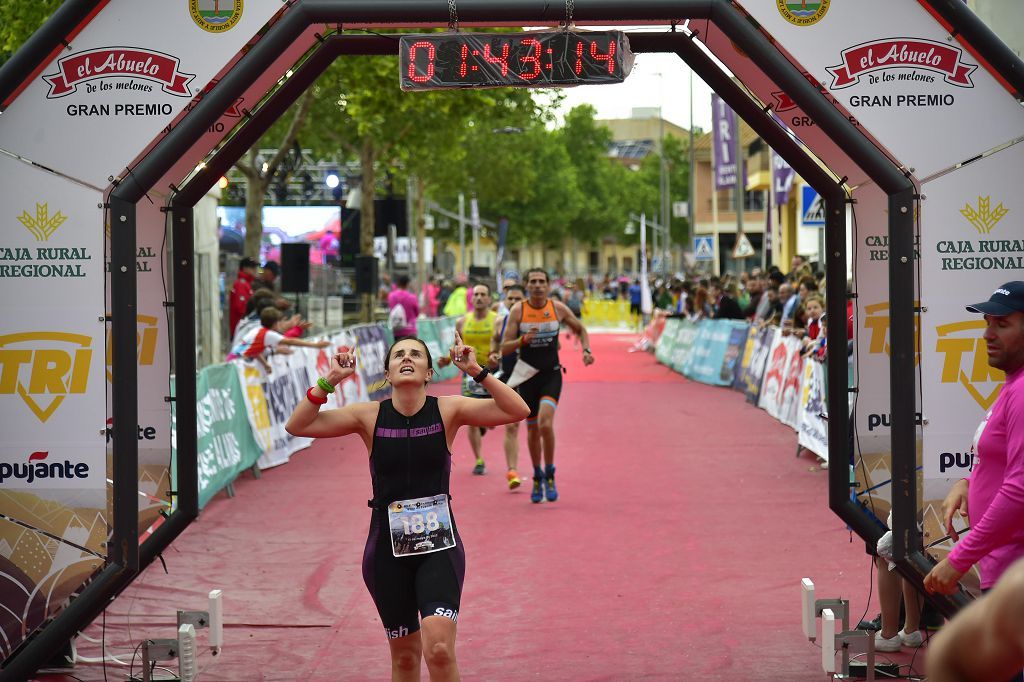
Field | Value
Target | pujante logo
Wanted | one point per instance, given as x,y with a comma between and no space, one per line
215,16
43,368
960,341
37,468
984,217
802,13
42,225
916,54
131,63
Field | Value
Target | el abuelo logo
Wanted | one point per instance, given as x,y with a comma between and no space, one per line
215,16
41,472
803,13
965,361
43,368
918,61
134,64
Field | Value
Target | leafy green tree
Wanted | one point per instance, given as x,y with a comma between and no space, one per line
19,19
676,152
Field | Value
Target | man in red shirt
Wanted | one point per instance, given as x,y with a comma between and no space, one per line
241,291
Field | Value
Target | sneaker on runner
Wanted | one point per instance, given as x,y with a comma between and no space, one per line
479,469
550,491
538,493
513,479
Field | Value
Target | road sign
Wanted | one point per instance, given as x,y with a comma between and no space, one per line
704,248
812,208
680,209
743,248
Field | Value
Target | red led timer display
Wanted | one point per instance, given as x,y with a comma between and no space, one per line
474,60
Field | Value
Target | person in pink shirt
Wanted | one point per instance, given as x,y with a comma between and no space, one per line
992,496
401,296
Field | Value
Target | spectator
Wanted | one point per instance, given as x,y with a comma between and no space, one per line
403,309
724,304
992,496
456,306
269,276
635,296
261,341
241,292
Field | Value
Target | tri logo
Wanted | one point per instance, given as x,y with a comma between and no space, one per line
44,367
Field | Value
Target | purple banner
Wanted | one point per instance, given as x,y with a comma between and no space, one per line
782,179
723,122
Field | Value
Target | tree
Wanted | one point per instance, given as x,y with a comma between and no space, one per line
19,19
259,176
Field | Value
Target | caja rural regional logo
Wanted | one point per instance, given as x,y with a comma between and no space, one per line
804,12
42,225
984,217
43,368
965,361
215,16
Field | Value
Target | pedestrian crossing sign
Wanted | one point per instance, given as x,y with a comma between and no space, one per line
704,248
743,248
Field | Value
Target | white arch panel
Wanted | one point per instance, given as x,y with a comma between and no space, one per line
127,75
892,65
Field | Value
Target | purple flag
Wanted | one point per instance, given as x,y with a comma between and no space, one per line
782,179
723,122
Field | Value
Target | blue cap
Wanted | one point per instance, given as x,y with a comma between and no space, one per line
1005,300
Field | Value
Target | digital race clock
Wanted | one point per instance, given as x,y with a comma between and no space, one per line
487,60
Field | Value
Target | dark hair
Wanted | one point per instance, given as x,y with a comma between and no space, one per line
387,358
402,281
540,270
269,316
247,263
518,287
272,266
482,284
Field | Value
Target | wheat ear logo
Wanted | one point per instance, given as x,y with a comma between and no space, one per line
41,225
984,218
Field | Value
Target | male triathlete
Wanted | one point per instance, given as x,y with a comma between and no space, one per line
476,328
506,356
535,323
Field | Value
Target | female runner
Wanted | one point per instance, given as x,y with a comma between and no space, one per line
414,561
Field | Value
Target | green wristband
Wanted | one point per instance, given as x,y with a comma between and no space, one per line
325,385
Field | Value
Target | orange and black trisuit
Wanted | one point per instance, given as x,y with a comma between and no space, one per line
542,353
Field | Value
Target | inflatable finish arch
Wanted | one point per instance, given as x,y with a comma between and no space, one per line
118,116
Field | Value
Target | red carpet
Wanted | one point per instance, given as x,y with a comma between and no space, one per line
675,552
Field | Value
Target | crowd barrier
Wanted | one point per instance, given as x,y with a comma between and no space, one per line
605,314
766,366
242,409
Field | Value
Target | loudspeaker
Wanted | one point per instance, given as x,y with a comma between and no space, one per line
479,271
351,228
294,268
366,274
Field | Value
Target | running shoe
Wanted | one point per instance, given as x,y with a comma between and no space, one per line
479,469
513,479
538,493
550,491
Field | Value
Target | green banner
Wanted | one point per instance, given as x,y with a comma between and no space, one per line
667,342
685,337
438,333
225,441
